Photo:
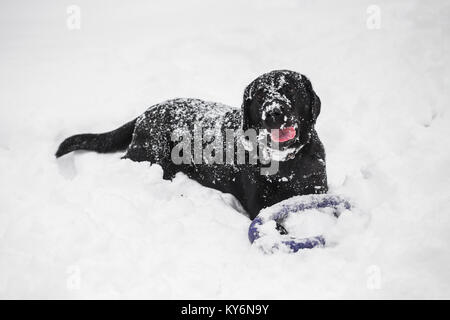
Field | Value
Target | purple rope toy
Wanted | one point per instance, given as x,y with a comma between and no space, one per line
281,211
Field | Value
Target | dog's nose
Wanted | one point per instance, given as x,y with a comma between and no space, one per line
275,112
274,118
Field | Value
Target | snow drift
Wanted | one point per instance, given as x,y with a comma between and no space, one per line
96,226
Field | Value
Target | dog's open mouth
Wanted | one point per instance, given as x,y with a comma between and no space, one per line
283,135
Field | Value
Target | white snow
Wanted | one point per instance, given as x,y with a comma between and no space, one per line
311,223
96,226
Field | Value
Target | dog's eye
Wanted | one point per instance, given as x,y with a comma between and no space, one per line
291,91
258,96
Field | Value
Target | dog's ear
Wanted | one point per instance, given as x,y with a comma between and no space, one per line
247,100
315,103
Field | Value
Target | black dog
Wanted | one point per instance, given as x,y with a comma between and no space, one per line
280,105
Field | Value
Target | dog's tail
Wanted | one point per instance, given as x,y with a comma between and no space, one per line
111,141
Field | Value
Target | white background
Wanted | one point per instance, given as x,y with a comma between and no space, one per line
95,226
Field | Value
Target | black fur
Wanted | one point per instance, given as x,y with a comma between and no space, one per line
111,141
273,100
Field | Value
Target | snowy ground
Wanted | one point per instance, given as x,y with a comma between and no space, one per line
95,226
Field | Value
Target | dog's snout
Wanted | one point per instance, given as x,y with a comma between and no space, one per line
273,116
275,112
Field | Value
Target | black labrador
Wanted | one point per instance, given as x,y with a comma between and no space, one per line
280,106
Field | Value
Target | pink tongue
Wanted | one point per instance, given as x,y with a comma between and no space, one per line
282,135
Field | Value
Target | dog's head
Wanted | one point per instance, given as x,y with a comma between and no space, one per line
284,101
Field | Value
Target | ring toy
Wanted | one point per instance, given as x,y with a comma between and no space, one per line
296,205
